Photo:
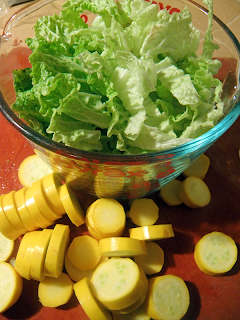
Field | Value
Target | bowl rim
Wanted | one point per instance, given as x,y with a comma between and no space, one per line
61,149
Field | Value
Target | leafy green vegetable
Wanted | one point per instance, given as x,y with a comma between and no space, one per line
129,83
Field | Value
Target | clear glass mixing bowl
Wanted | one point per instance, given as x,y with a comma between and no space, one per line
105,175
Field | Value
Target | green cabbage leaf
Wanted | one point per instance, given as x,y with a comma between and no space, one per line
131,82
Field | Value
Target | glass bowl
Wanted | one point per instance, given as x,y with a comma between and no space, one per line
111,175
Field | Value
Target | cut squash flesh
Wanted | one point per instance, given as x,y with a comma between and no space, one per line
34,211
25,267
105,218
170,193
198,168
6,247
116,283
155,232
50,184
168,298
122,247
143,212
57,248
77,274
84,252
89,303
11,285
55,292
39,255
71,205
26,218
10,210
153,261
41,201
215,253
32,168
140,300
194,192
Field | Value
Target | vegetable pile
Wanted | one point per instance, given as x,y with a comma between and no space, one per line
114,275
129,83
